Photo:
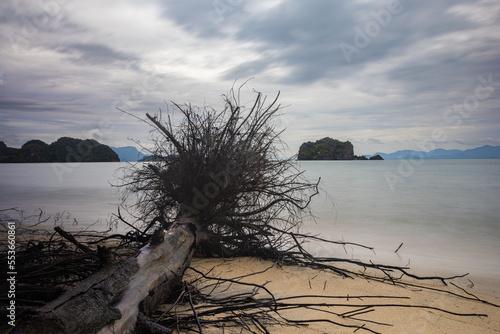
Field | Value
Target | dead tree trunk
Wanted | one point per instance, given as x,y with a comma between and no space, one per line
111,300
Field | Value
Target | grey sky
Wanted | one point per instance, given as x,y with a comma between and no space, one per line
386,75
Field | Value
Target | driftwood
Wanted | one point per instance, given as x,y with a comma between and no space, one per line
111,300
120,297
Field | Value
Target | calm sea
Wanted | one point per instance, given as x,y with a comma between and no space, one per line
445,212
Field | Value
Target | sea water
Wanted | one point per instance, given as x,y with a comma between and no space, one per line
76,195
444,212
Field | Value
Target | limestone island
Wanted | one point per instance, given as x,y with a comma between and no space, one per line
330,149
65,149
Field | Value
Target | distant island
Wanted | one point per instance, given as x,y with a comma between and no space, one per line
483,152
330,149
65,149
129,153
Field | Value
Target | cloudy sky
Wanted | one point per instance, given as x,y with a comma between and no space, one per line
386,75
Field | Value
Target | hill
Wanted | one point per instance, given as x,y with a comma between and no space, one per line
330,149
65,149
128,153
326,149
483,152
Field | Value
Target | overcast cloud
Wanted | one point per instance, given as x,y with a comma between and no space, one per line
386,75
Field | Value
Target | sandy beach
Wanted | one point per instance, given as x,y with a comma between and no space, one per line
395,317
395,310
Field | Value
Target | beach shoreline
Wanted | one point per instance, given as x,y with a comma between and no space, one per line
479,282
285,281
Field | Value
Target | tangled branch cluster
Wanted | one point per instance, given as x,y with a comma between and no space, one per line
48,263
226,170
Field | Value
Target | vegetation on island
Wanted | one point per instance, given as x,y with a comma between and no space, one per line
326,149
330,149
65,149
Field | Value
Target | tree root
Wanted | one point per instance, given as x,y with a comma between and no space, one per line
259,310
47,265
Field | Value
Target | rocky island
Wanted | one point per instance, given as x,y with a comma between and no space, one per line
65,149
330,149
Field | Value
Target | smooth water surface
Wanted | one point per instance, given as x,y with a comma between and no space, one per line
73,191
445,212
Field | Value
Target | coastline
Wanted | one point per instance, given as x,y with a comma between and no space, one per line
286,281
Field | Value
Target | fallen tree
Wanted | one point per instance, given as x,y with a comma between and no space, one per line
197,302
219,183
111,300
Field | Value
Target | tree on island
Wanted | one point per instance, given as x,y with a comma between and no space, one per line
64,149
330,149
326,149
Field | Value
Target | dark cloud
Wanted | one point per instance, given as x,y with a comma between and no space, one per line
95,54
403,68
193,16
8,104
300,36
307,39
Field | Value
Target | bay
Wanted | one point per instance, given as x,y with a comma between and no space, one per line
445,212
